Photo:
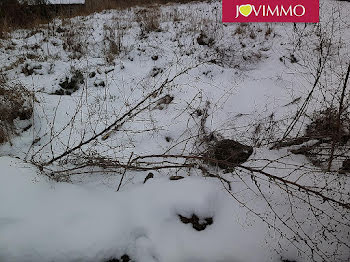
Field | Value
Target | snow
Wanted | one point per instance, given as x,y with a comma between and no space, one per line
250,84
45,221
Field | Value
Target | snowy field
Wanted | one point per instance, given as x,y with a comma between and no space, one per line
118,95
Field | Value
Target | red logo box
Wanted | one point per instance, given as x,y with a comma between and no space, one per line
244,11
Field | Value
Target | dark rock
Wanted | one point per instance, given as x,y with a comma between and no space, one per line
123,258
196,223
29,69
209,220
163,101
59,92
228,153
176,177
287,260
154,57
167,99
203,39
199,112
92,74
345,167
155,71
25,114
293,59
99,83
70,85
149,176
60,30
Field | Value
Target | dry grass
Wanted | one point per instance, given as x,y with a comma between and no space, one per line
325,122
15,103
149,19
113,39
14,15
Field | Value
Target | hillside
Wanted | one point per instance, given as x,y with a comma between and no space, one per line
160,134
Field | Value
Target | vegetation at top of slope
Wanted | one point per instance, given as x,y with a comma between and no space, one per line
15,15
15,103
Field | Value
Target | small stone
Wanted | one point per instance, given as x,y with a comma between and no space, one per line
228,153
149,176
156,71
176,177
203,39
345,167
195,221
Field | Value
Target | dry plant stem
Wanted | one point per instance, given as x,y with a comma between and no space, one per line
121,120
126,168
336,135
292,242
301,187
270,176
303,107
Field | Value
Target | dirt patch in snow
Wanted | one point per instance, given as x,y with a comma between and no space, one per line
197,223
228,153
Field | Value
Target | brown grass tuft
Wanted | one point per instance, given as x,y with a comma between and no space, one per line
149,19
15,103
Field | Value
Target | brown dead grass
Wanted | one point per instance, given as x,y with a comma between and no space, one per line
149,19
14,15
15,103
324,123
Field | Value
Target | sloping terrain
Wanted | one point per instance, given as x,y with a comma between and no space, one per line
161,134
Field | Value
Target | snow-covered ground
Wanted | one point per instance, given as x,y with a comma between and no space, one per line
243,82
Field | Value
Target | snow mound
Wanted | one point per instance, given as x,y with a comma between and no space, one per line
45,221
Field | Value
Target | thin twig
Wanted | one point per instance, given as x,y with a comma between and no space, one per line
126,168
